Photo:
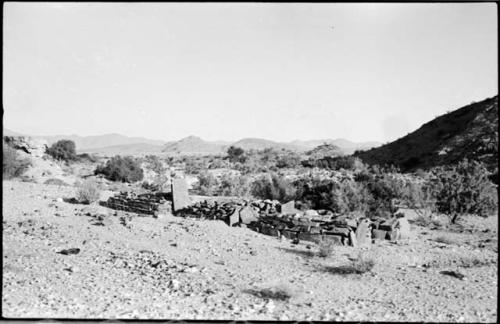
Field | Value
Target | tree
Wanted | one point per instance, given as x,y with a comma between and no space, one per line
63,150
464,189
236,154
125,169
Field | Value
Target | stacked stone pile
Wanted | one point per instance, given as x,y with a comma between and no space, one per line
149,203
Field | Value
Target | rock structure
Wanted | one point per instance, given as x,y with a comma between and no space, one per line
270,218
29,145
150,204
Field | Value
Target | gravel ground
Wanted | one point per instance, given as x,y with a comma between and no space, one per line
132,267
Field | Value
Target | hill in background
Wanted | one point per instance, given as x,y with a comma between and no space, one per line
469,132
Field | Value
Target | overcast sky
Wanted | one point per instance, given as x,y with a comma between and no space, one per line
226,71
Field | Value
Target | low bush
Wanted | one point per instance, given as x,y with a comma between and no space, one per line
273,187
235,185
207,184
88,192
85,157
56,182
13,165
279,292
325,247
124,169
445,240
360,265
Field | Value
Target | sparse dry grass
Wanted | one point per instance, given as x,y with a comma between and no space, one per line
325,247
461,262
88,192
445,239
360,265
278,292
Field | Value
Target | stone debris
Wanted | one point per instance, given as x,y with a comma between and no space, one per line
69,251
268,217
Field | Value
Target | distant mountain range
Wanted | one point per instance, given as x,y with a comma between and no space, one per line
112,144
469,132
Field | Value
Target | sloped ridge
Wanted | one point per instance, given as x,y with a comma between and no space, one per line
193,145
469,132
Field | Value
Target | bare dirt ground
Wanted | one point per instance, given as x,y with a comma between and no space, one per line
174,268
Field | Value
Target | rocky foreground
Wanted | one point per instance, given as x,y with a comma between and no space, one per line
64,260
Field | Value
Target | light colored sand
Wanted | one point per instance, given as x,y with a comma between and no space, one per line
178,268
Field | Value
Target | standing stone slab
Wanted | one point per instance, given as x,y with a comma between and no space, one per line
234,218
352,239
404,228
289,208
180,194
363,233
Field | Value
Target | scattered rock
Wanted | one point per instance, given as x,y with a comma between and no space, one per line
69,251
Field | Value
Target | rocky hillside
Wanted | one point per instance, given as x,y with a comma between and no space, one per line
346,146
469,132
260,144
193,145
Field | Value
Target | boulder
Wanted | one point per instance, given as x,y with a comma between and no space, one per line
248,215
311,212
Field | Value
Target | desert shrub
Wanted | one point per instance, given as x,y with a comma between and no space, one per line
235,185
13,166
346,162
63,150
85,157
337,196
325,247
218,163
194,165
288,159
359,265
464,189
207,184
160,180
124,169
56,182
279,292
273,187
88,192
236,154
362,264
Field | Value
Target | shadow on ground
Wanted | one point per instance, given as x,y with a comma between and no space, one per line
305,254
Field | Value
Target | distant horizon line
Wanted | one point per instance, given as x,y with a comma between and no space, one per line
194,136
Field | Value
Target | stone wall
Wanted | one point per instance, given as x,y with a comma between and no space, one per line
150,204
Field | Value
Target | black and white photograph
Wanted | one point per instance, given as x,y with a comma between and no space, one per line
250,161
